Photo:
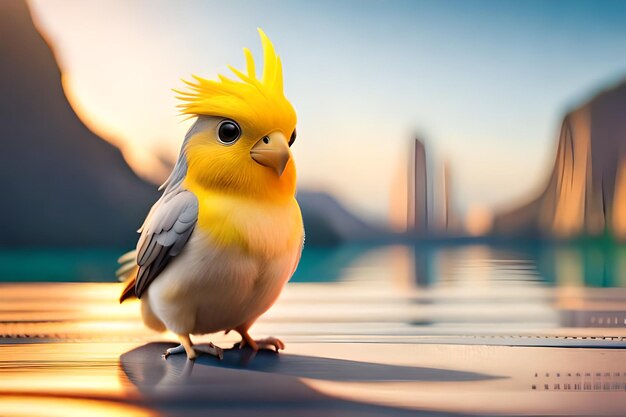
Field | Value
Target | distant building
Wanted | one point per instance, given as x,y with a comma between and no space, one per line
418,191
421,195
446,220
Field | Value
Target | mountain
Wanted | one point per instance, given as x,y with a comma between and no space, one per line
586,192
327,222
61,184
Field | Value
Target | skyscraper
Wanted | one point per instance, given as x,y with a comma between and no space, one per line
418,190
446,221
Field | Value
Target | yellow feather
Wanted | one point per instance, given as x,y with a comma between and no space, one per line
241,100
250,63
268,228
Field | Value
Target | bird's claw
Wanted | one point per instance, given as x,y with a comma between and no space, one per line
208,348
269,343
173,351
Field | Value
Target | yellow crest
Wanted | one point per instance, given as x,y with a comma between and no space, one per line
250,101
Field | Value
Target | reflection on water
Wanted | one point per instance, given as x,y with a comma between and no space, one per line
427,265
519,288
422,265
33,405
370,330
64,378
58,265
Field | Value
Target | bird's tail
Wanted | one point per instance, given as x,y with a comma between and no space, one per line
127,272
128,264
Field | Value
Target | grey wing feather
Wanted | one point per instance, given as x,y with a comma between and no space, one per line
163,236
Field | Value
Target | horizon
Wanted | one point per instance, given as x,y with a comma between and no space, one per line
500,148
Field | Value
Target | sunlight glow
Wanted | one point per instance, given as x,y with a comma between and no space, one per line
492,108
478,221
33,406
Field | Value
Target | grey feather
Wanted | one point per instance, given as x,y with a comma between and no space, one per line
180,244
180,227
150,253
164,235
176,178
169,223
168,238
145,248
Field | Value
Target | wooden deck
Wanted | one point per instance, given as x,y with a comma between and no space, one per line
352,350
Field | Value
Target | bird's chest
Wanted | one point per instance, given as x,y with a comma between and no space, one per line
238,259
260,229
225,271
221,288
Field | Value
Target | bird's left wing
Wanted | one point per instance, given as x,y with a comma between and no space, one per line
163,236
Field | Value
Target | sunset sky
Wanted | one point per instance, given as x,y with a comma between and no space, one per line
486,83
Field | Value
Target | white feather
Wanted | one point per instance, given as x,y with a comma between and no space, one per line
206,290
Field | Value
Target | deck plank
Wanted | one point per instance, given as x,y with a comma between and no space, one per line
351,350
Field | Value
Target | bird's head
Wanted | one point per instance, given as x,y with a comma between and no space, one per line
241,140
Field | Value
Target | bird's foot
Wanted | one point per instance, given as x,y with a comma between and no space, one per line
269,343
173,351
210,349
195,350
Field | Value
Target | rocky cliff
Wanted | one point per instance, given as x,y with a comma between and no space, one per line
64,186
586,192
61,184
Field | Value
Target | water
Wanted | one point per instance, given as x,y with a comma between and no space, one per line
584,265
58,265
433,265
370,330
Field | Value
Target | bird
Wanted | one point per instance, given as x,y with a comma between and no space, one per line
226,235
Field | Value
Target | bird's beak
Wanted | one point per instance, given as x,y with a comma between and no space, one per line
271,151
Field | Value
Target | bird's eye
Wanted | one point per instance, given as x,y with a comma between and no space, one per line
228,132
292,139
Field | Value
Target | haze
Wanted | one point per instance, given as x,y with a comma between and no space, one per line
486,83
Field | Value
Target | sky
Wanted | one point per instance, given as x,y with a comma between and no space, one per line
485,83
